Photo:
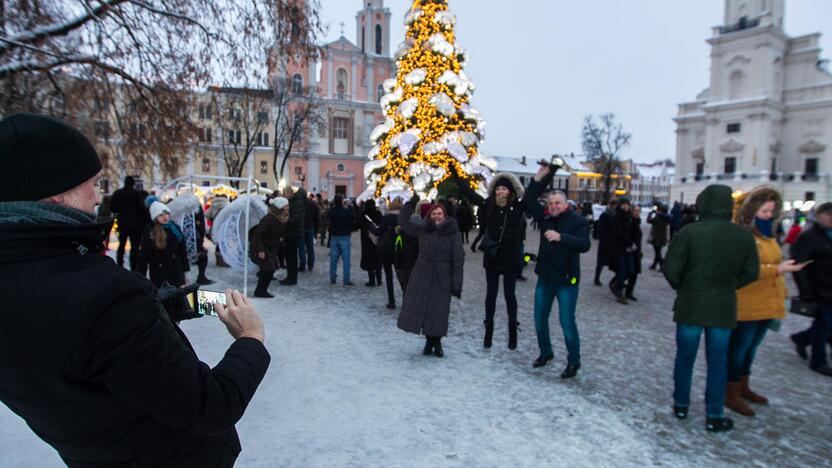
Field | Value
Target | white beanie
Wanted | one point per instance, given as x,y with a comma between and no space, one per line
158,208
280,203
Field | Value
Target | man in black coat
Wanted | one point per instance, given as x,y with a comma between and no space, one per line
564,236
294,233
311,219
89,357
603,232
127,205
815,285
341,225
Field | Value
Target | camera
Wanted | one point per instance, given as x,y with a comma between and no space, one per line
189,302
554,163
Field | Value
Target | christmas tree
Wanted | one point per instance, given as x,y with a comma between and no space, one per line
431,132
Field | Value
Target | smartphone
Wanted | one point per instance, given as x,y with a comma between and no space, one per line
203,301
806,262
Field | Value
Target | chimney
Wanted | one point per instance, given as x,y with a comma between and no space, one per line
523,160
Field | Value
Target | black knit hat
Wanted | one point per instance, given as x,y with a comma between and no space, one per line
41,156
504,182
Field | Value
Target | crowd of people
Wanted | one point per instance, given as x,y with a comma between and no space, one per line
119,361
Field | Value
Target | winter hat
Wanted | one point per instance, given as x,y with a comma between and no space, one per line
425,209
150,200
158,208
280,203
41,157
504,182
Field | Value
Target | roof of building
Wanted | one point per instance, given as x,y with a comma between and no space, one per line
655,170
576,164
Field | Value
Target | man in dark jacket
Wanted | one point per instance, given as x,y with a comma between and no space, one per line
603,232
294,233
341,225
564,235
127,205
815,285
621,248
306,249
95,366
706,264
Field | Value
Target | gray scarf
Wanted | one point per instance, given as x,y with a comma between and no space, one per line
33,212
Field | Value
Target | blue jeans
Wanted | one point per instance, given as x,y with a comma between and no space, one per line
821,329
544,296
745,339
716,352
306,249
339,248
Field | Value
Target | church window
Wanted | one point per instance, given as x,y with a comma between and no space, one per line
297,84
379,92
730,165
340,126
341,83
379,45
733,128
811,166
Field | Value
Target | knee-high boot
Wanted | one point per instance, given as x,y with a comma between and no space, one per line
512,335
202,264
489,333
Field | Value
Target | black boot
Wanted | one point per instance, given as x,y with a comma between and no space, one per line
542,360
570,371
263,280
202,264
428,350
681,412
437,347
512,335
719,424
489,332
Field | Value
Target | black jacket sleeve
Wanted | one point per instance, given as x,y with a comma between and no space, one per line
801,252
530,203
132,349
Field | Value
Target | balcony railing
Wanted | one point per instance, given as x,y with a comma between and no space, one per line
762,176
743,23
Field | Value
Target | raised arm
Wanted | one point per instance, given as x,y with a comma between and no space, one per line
411,225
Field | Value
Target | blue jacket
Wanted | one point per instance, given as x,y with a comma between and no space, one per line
558,262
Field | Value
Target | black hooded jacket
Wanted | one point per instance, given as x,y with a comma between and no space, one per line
92,362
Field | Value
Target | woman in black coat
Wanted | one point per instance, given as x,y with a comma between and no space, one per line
465,218
387,232
265,242
504,226
636,236
370,261
163,249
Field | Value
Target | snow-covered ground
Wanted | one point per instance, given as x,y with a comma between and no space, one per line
346,388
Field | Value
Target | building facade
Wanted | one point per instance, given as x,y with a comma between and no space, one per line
766,116
652,183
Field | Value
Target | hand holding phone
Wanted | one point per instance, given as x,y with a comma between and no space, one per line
239,317
205,301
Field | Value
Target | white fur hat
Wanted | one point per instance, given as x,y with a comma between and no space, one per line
158,208
280,203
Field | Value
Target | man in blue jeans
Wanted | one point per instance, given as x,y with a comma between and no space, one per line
707,262
306,247
564,235
341,226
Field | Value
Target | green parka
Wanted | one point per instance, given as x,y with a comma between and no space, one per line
708,261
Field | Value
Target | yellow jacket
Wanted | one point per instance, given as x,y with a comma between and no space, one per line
765,298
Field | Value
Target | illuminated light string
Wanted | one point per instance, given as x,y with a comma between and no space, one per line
425,54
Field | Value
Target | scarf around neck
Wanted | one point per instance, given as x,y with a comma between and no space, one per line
765,227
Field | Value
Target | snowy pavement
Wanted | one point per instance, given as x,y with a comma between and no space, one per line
346,388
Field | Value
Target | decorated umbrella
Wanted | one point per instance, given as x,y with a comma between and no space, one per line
229,230
183,211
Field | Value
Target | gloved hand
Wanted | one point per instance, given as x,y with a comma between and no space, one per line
175,302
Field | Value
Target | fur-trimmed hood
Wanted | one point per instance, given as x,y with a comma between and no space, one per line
512,179
748,204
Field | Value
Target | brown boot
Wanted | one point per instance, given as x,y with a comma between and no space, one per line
734,402
749,394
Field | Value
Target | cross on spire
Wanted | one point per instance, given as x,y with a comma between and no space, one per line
343,25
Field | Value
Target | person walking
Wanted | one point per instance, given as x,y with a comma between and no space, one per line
762,301
621,249
564,236
128,207
323,223
265,241
814,283
341,226
162,248
306,249
91,359
676,219
294,233
436,276
603,233
659,222
387,232
370,217
465,218
635,236
706,263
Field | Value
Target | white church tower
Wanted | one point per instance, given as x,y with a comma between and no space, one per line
767,115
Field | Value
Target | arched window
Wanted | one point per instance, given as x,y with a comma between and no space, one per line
297,84
379,45
341,83
736,84
379,92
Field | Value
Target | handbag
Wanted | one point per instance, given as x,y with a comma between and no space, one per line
491,247
799,307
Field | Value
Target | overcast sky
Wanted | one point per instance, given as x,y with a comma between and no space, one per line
541,65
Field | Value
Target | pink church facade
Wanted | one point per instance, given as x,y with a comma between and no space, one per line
349,85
